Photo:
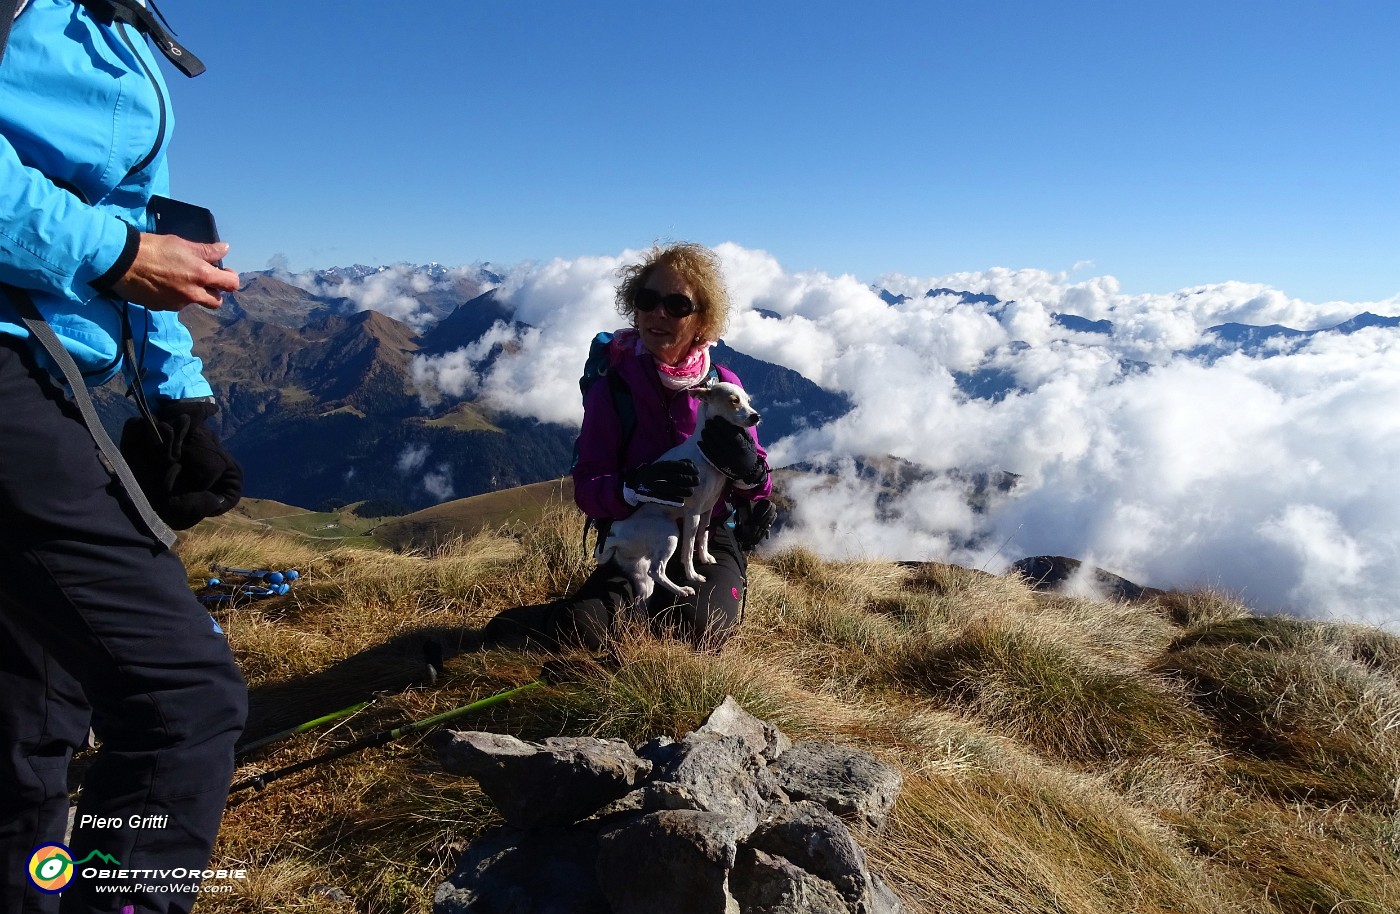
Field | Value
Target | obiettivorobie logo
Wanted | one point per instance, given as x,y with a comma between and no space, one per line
51,866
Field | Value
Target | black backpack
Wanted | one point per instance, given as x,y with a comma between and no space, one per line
9,9
125,11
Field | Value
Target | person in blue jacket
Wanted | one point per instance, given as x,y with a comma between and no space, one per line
98,625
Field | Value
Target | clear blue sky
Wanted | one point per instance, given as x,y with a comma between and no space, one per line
1168,144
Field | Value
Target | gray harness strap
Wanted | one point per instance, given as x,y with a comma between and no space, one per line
111,455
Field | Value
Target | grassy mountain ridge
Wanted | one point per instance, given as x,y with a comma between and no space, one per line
508,509
1060,755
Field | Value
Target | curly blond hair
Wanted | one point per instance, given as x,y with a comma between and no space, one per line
700,268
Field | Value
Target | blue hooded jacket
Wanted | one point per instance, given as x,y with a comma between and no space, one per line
85,121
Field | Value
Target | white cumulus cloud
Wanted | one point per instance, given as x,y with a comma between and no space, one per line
1269,477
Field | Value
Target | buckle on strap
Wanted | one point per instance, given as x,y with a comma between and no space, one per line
134,13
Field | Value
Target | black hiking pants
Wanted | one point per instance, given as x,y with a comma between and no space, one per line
99,627
593,614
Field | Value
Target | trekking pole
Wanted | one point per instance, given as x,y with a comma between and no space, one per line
378,739
432,658
299,728
235,594
246,589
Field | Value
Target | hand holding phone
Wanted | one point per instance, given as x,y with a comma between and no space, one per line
188,221
180,262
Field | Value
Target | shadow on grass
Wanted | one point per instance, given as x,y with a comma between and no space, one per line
411,658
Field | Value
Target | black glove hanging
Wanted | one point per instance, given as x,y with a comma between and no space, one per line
733,452
181,464
754,520
666,482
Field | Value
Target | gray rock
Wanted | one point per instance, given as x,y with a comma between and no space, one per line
813,839
331,892
658,750
701,826
716,774
846,781
657,797
730,719
882,899
675,861
765,884
631,805
511,870
559,781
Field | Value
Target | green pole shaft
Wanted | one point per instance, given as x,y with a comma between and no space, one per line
299,728
378,739
465,709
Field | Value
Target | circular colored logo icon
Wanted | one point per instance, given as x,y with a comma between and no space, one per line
51,868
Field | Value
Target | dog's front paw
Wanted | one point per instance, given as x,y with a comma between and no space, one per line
687,591
705,558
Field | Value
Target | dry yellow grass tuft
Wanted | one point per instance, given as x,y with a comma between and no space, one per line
1044,693
1060,755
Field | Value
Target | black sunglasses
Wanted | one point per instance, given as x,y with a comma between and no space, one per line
676,304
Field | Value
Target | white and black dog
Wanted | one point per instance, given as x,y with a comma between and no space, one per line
644,542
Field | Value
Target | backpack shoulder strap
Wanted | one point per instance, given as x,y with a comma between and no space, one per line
134,13
599,366
9,12
597,363
623,405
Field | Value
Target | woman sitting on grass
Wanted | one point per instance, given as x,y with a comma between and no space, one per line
678,307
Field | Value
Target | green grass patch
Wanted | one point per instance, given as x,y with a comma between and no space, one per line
464,418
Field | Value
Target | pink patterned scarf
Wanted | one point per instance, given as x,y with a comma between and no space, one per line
687,374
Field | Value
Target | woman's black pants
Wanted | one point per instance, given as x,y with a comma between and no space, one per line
595,613
99,627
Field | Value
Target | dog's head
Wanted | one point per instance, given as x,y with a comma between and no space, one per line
728,401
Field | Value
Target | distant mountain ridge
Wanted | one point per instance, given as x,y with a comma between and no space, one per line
1265,341
995,378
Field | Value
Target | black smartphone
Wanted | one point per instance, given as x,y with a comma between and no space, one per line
176,217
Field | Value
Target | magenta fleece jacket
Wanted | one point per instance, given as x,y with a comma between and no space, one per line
664,419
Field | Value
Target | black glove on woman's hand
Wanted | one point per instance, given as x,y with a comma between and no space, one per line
733,452
184,469
754,521
666,482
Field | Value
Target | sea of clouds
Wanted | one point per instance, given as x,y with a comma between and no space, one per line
1272,478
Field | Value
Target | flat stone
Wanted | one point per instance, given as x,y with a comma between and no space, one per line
559,781
768,884
676,861
846,781
511,870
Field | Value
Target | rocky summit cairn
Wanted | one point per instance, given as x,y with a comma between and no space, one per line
733,819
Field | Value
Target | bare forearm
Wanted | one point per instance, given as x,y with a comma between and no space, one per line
170,273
